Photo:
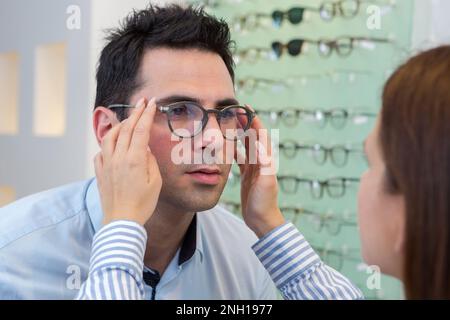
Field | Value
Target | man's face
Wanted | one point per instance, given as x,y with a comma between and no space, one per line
178,75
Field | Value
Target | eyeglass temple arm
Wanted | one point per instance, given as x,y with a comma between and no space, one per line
113,106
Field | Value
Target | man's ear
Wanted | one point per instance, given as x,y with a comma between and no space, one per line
103,120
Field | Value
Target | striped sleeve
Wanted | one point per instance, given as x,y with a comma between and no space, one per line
116,263
297,271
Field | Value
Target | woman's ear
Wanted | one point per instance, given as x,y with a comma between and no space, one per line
103,120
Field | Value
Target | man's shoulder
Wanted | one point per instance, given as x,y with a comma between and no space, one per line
41,210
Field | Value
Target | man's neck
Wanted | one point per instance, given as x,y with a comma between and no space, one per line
166,230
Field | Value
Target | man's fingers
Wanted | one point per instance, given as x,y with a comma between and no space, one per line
241,164
262,133
141,133
258,147
126,132
256,123
264,143
265,160
245,140
238,155
109,141
255,133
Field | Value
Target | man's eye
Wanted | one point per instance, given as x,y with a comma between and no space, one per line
227,114
179,111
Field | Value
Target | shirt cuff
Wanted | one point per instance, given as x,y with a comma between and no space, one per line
119,244
285,254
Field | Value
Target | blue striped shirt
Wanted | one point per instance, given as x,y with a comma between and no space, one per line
46,243
116,265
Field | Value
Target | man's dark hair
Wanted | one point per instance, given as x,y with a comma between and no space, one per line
173,27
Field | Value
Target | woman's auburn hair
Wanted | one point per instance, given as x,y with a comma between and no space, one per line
415,144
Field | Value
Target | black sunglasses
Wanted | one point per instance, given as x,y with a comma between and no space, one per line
293,47
294,15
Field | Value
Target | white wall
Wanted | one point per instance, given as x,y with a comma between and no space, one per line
431,24
28,162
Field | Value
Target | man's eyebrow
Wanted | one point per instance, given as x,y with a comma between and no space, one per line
178,98
227,102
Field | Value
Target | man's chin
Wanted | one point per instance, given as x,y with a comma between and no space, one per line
203,200
192,198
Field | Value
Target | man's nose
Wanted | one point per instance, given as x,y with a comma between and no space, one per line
211,135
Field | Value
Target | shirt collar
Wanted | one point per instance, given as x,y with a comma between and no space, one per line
93,205
191,242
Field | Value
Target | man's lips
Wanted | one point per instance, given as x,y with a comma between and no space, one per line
205,175
207,170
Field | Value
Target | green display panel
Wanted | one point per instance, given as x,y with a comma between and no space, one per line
339,95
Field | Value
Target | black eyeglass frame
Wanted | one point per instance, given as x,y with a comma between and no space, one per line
167,108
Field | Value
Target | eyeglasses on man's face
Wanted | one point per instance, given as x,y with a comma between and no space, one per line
187,119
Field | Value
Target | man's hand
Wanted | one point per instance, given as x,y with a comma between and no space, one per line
128,176
259,186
